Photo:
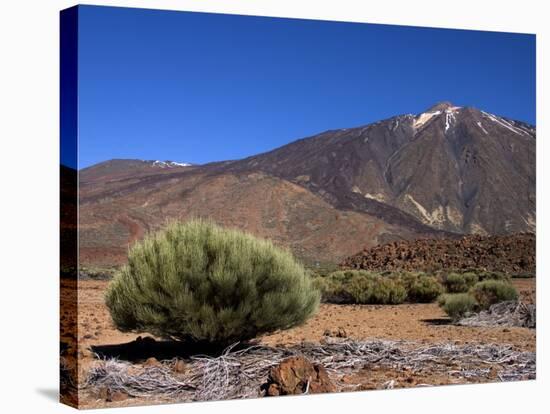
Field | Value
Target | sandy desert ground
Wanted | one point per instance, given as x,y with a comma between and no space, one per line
419,323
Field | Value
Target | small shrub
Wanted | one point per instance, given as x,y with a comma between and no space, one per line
459,282
487,275
199,281
362,287
423,289
377,290
489,292
322,284
441,299
458,305
420,287
346,275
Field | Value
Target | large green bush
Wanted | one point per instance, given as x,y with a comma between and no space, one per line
459,282
198,281
489,292
458,305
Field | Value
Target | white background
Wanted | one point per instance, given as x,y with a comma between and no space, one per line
29,202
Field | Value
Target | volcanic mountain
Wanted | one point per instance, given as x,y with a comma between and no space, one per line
447,171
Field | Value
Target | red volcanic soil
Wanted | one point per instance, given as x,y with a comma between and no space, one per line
418,323
116,214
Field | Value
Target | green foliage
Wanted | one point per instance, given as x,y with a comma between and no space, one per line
441,299
462,282
96,273
198,281
323,285
377,290
321,268
421,288
364,287
359,286
459,282
489,292
487,275
458,305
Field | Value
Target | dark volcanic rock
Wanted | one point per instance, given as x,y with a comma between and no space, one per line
513,254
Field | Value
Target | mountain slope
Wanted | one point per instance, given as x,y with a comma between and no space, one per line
438,174
267,206
455,169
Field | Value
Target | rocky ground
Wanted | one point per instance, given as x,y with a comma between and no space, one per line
421,324
512,254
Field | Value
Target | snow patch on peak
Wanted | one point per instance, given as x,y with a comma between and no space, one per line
169,164
453,109
449,118
423,118
504,123
481,127
376,196
441,106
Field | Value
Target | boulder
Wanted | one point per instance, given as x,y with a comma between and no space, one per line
109,395
337,333
152,362
297,375
118,396
180,367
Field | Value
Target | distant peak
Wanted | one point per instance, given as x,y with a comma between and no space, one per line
446,108
169,164
442,106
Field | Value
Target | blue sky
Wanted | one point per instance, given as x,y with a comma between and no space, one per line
195,87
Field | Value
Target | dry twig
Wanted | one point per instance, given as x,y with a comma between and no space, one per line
240,374
510,313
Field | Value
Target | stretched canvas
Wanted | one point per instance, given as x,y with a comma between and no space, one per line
259,207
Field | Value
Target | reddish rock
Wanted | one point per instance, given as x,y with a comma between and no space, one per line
180,367
118,396
273,390
108,395
297,375
341,333
152,362
104,394
337,333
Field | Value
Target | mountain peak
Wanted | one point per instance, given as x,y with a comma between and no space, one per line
441,106
168,164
